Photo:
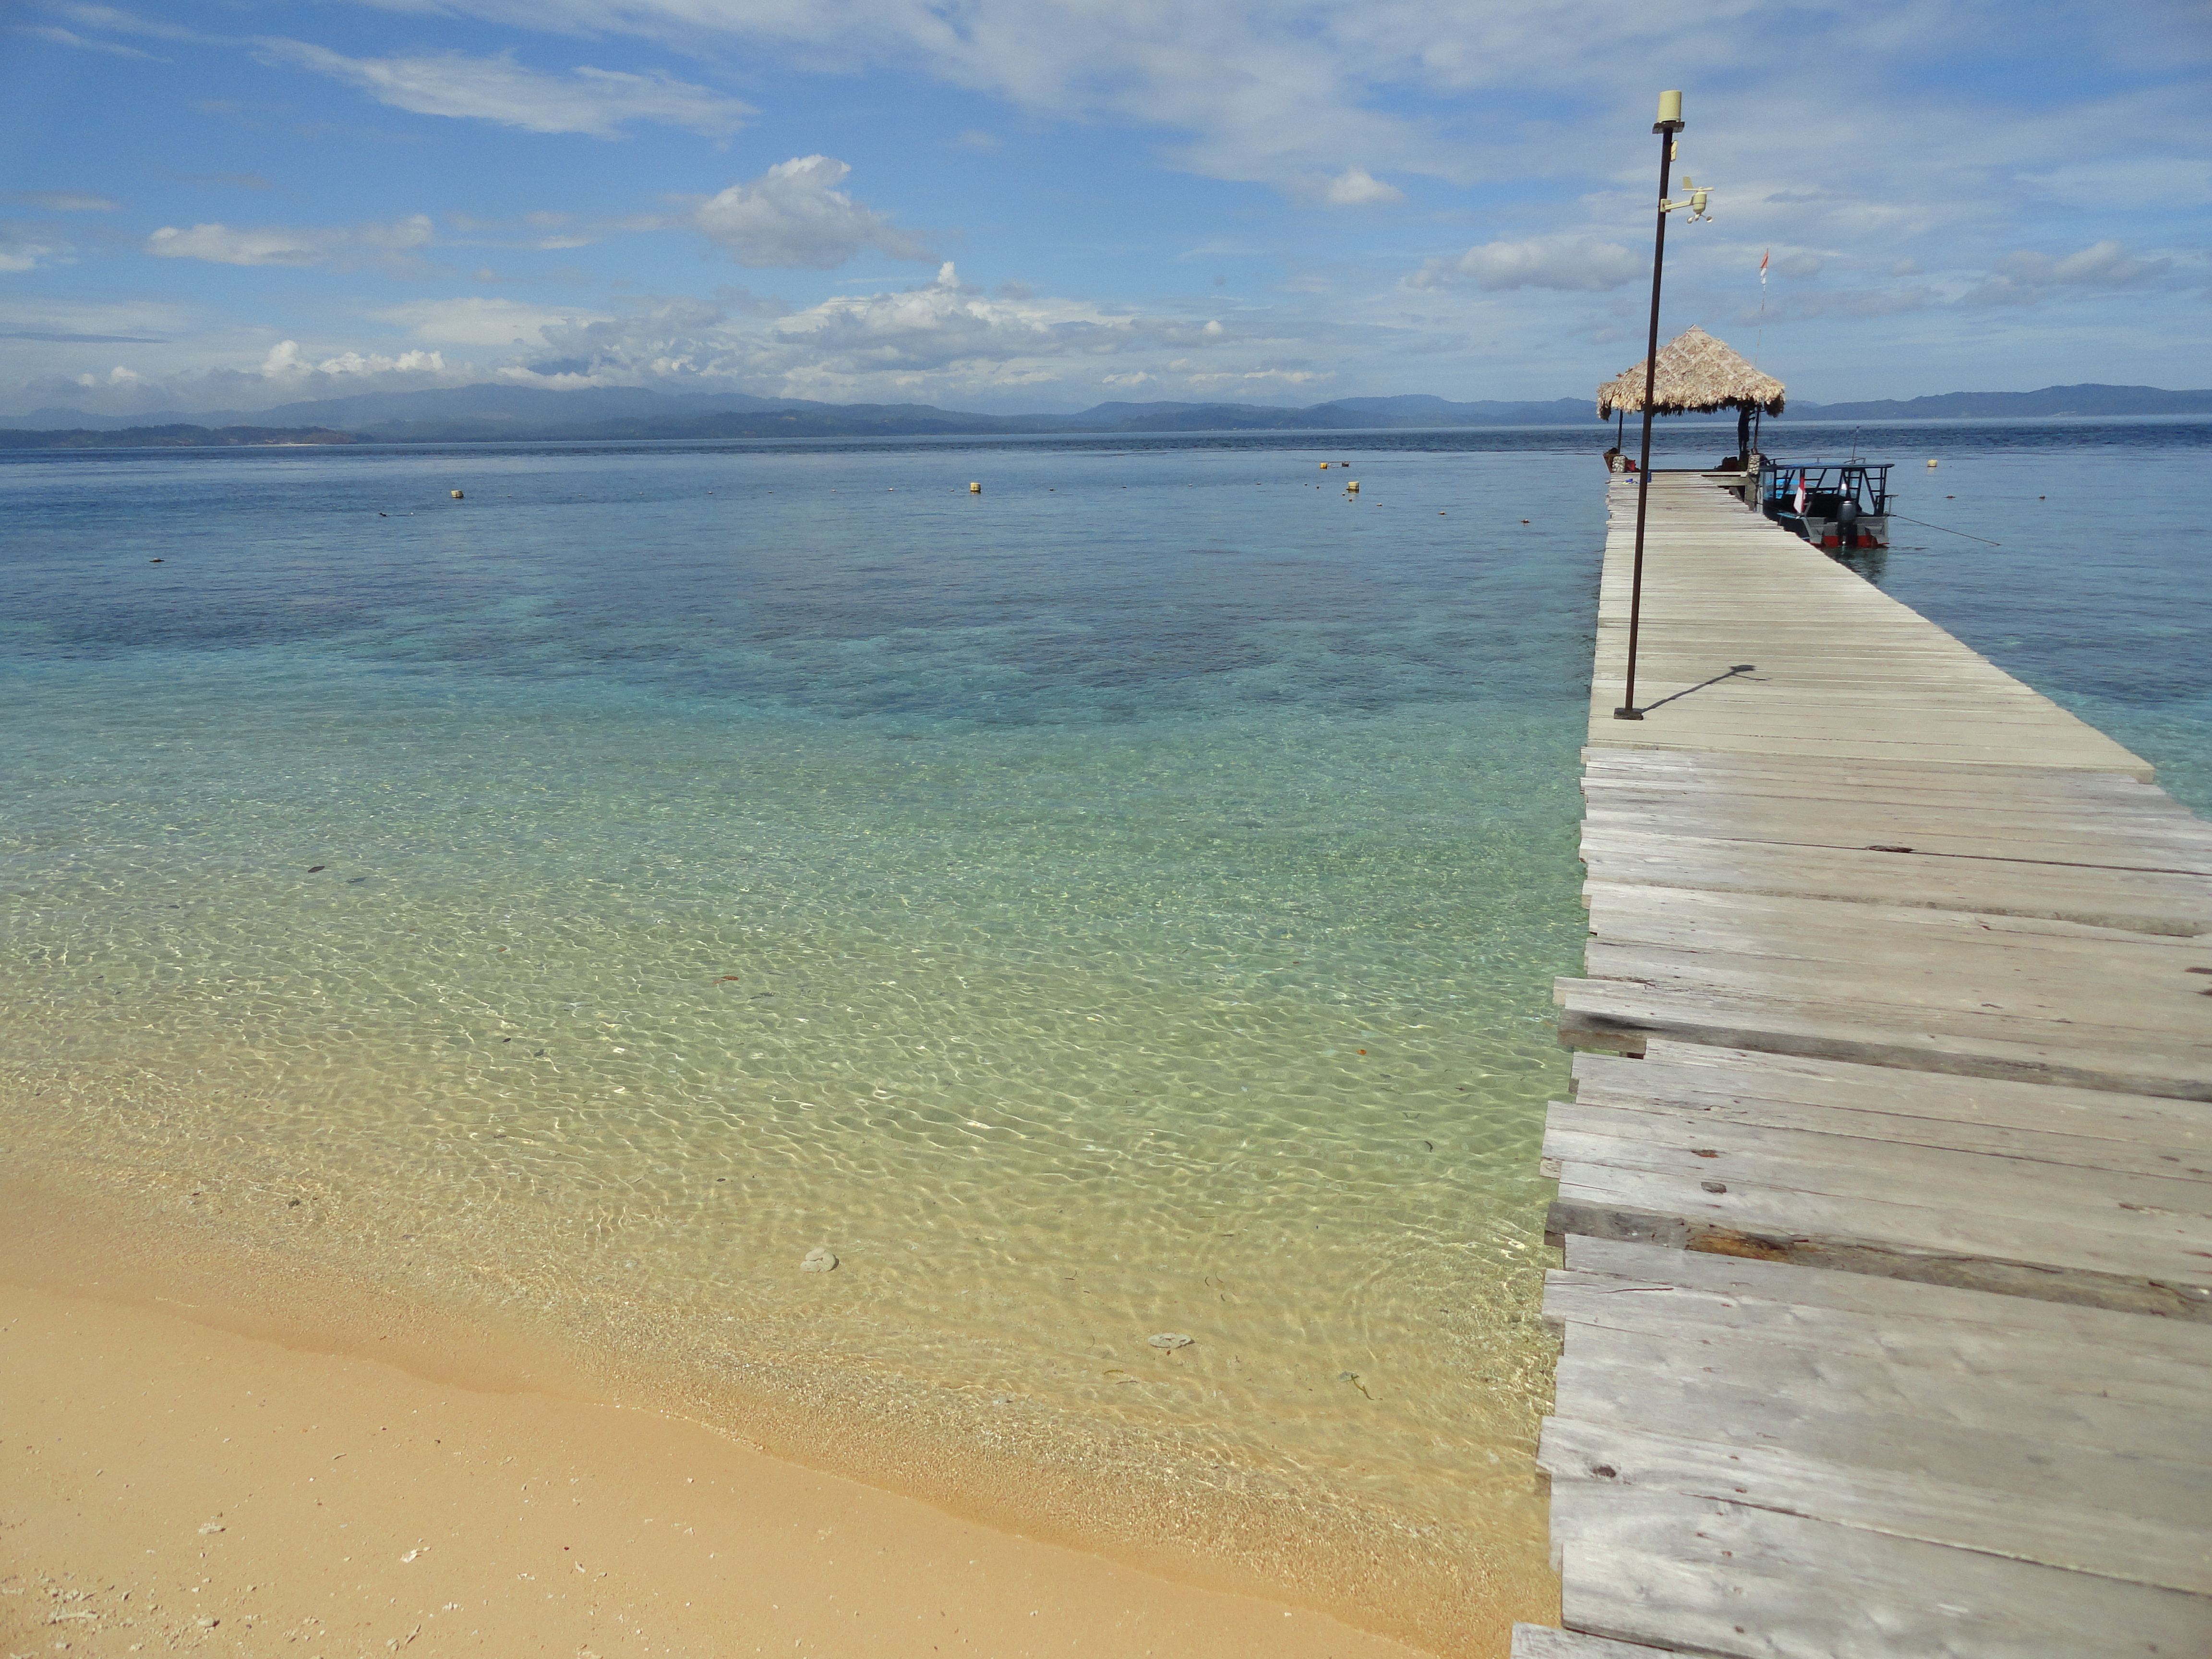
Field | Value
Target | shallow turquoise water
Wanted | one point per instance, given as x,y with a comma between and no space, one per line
1121,902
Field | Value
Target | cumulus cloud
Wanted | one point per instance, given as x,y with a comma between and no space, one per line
1355,187
941,338
2027,278
286,361
1579,265
594,101
794,217
389,246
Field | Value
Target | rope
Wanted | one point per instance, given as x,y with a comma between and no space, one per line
1946,530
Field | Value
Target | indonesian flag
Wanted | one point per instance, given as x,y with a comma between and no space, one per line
1798,504
1763,258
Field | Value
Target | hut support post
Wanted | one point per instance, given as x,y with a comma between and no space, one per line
1628,710
1743,434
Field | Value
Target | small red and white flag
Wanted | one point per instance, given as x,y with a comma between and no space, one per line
1763,258
1798,504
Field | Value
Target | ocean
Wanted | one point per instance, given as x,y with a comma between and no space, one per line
1118,904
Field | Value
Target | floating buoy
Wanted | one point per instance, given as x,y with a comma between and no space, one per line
975,490
1931,463
1352,489
1324,467
457,495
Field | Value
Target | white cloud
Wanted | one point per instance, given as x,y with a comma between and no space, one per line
389,246
2169,183
116,20
63,201
944,339
1355,187
794,217
594,101
478,320
2027,278
60,37
24,249
1255,378
286,361
1575,264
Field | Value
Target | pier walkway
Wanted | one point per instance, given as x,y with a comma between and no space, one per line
1886,1194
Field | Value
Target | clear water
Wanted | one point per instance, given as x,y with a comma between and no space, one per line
1121,903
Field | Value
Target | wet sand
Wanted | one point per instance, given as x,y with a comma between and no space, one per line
172,1485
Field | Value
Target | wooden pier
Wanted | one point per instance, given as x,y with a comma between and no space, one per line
1886,1196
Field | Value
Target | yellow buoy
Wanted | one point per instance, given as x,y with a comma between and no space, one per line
1324,467
1352,489
1931,463
457,495
975,490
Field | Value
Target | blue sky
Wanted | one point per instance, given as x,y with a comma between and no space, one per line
1028,204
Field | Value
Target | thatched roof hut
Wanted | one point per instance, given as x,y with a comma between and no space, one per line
1698,374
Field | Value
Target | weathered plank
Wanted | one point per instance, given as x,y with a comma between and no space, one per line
1792,1204
2081,1536
1768,1390
2144,899
2089,1128
1542,1641
1700,1576
1621,1017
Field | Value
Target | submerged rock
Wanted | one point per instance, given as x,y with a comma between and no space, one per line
818,1260
1170,1340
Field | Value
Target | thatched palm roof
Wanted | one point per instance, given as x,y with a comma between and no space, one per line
1698,374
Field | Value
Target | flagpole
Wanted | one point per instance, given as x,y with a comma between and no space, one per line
1669,123
1759,347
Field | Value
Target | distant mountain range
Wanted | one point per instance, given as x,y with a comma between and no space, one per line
513,413
176,436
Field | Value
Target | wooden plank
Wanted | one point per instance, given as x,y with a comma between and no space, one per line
1542,1641
1813,1295
1707,1577
1853,1166
1620,1017
1777,1210
1691,1373
2142,899
2087,1127
1597,1216
2080,1537
2158,1273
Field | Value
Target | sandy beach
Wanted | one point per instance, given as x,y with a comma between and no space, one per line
174,1485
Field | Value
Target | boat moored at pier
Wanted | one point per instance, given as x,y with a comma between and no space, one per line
1837,505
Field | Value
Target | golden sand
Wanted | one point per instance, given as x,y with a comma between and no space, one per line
186,1469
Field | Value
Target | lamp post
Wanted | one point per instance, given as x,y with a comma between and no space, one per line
1669,123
